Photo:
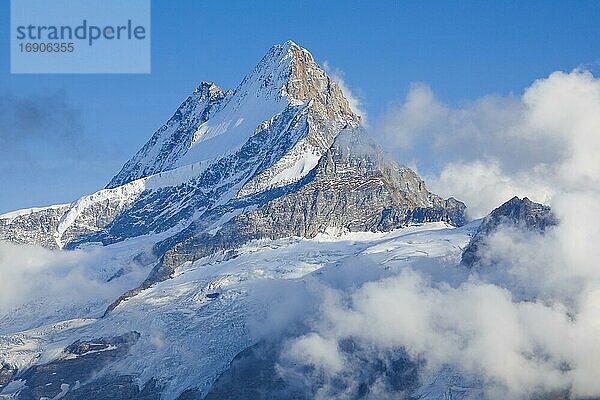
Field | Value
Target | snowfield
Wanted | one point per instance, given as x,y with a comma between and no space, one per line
193,325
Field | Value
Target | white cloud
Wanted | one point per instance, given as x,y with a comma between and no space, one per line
56,285
416,117
483,185
317,350
353,101
534,144
516,348
28,271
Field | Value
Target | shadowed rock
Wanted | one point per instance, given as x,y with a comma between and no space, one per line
76,373
519,213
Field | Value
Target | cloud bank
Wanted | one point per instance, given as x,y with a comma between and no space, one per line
534,144
55,285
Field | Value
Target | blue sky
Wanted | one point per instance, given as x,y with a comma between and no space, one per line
462,49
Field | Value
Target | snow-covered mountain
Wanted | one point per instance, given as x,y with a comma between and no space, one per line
283,150
270,180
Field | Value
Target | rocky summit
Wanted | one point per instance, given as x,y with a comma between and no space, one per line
516,213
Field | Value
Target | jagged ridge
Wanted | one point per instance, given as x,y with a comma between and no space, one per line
516,212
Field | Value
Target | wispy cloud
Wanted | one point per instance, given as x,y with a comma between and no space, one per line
31,123
57,285
354,101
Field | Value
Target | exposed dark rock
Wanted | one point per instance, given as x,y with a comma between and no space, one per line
83,347
253,375
518,213
190,394
6,374
34,227
71,374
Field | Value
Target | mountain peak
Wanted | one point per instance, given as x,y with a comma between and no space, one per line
290,54
208,89
288,43
277,69
296,75
516,212
282,51
212,123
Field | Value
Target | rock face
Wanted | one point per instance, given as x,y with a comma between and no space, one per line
6,374
520,213
34,226
355,187
69,376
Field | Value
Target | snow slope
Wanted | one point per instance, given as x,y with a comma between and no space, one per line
204,316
